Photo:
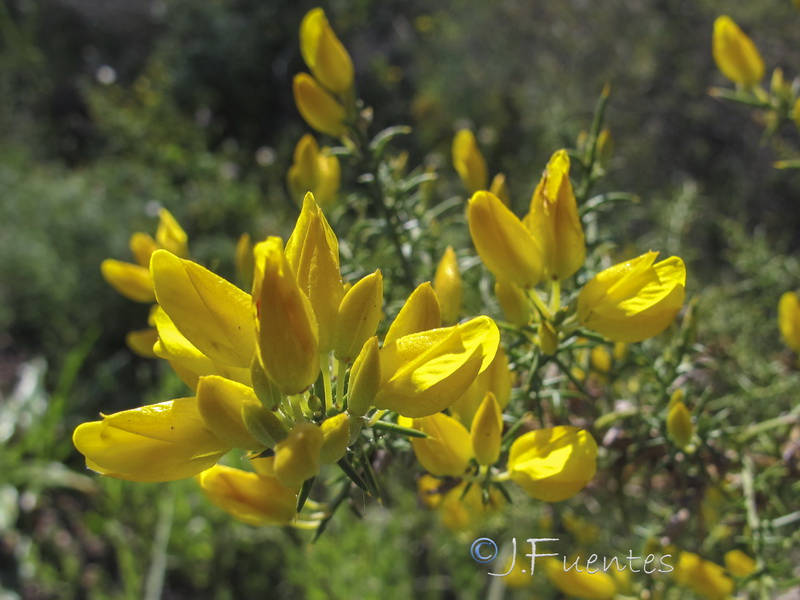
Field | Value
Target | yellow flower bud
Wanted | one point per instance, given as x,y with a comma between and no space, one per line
469,162
129,280
158,442
249,497
288,338
487,431
516,307
324,53
336,435
679,424
504,244
447,450
703,577
420,312
789,320
313,254
554,222
447,285
739,564
213,314
245,261
735,54
580,584
553,464
600,359
314,171
424,373
170,235
365,379
142,246
142,341
500,189
359,315
318,107
634,300
297,457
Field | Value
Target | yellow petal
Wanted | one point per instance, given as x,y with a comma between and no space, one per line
324,53
580,584
504,244
789,320
554,222
358,317
142,341
739,564
249,497
313,253
317,107
679,424
159,442
245,262
213,314
129,280
297,457
500,189
420,312
424,373
516,307
447,450
336,435
365,379
635,300
487,431
703,577
447,285
142,246
288,337
170,235
553,464
469,162
735,54
221,402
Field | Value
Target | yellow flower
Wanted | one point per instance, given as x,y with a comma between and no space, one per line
679,424
420,312
170,235
318,107
359,315
735,54
286,328
703,577
447,284
314,171
424,373
739,564
634,300
313,253
324,53
487,431
789,320
158,442
336,435
249,497
447,450
554,222
469,162
504,244
553,464
580,584
297,457
129,280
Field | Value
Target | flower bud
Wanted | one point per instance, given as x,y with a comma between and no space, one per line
703,577
575,583
170,235
447,285
358,317
336,436
735,54
516,307
324,53
313,253
365,379
318,107
634,300
547,338
297,457
220,403
142,341
142,247
487,431
129,280
789,320
679,424
504,244
245,261
249,497
314,171
554,222
553,464
469,162
288,338
500,189
420,312
739,564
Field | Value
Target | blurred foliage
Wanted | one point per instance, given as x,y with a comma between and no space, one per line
112,109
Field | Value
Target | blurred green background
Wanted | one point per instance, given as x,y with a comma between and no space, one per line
112,109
